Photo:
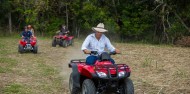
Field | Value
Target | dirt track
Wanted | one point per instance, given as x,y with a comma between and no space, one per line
61,57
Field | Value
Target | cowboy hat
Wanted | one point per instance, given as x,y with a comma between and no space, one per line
99,28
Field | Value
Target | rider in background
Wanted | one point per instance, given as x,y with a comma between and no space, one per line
63,30
26,34
97,42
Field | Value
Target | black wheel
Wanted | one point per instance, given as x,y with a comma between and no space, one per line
35,49
73,89
72,42
20,49
127,87
88,87
54,43
65,43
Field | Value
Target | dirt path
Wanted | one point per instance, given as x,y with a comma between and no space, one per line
73,52
61,57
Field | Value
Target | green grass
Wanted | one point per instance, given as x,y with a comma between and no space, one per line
26,73
7,64
46,70
15,88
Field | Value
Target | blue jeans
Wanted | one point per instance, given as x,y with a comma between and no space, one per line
90,60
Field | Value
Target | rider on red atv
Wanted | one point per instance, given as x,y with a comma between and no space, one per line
62,38
63,30
28,42
96,43
98,74
26,34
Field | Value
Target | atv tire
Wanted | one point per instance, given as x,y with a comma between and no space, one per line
71,42
54,43
88,87
20,49
73,89
35,49
65,44
128,87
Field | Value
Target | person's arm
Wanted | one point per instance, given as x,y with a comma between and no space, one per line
110,47
30,34
67,30
85,45
22,35
86,51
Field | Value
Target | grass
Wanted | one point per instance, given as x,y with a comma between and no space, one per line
28,73
47,70
15,88
155,69
7,64
147,62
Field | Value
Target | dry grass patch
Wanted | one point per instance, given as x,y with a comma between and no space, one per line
31,73
157,69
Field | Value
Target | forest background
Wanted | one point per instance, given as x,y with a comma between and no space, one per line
149,21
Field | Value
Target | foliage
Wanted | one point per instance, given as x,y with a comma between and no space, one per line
159,21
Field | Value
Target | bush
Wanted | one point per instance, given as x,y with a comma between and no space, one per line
183,41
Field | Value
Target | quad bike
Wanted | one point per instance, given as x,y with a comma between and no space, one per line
28,44
103,77
62,40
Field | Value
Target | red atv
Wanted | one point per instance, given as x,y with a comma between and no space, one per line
102,77
28,44
62,40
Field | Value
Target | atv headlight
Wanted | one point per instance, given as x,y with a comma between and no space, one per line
121,74
101,74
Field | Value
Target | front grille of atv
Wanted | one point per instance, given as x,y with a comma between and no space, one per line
108,68
113,75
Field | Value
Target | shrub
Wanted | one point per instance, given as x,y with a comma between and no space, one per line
183,41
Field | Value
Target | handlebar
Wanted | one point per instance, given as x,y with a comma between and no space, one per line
96,52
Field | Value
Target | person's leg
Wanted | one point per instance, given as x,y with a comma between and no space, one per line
90,60
112,61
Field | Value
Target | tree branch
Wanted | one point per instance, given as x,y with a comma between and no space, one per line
157,7
181,21
186,27
168,20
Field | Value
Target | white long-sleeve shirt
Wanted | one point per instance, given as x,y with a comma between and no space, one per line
92,44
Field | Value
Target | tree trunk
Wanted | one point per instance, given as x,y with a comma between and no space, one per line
10,23
154,36
165,35
113,1
77,31
67,22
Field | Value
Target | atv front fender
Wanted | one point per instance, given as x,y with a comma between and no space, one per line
76,75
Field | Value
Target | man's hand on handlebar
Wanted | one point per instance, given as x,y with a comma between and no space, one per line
117,51
94,52
90,52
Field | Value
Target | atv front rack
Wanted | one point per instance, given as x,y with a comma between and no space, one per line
116,67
